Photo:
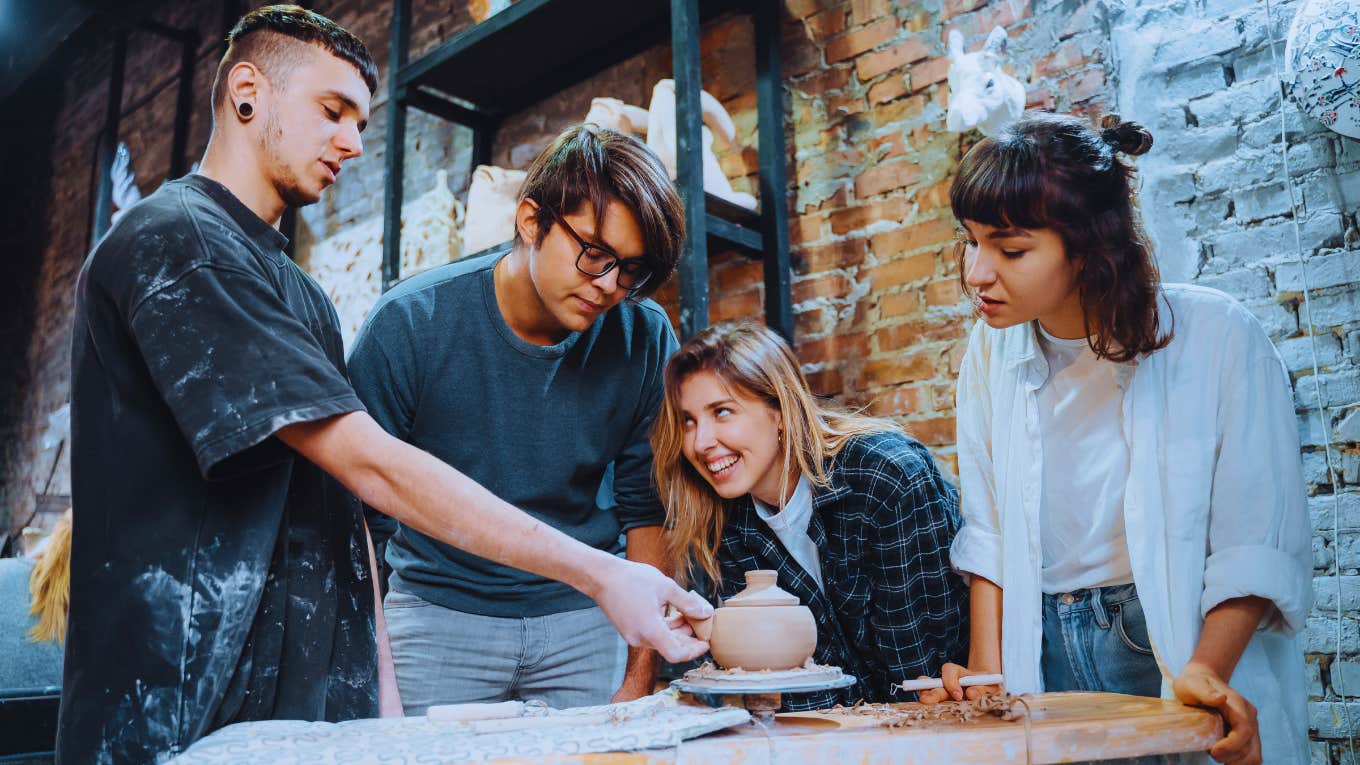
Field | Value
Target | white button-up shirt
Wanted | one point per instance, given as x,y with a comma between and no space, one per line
1214,507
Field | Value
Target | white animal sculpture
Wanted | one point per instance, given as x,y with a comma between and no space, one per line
716,122
491,207
981,95
125,191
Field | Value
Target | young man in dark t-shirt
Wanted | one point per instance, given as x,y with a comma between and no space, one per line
567,355
221,569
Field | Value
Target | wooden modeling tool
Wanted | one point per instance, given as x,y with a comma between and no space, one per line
935,682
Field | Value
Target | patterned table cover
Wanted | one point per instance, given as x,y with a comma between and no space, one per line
657,721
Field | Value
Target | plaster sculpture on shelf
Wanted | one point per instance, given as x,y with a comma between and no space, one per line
1322,63
492,199
348,265
981,95
614,114
716,124
482,10
125,191
431,228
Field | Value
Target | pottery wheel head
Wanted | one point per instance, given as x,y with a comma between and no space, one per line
710,679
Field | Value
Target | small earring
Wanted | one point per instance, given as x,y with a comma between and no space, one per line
245,110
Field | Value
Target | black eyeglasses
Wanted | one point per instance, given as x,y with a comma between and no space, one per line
596,261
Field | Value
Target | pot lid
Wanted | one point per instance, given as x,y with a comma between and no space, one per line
761,590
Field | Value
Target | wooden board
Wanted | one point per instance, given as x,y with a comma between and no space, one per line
1065,727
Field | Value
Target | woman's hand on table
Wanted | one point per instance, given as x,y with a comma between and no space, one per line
1200,686
951,674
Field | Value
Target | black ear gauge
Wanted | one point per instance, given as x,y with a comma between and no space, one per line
245,110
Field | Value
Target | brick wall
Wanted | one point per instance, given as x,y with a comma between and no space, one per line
1219,206
876,288
877,304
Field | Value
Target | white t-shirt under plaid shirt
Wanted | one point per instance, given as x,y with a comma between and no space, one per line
791,526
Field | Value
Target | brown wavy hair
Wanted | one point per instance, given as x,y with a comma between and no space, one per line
588,163
755,360
1058,172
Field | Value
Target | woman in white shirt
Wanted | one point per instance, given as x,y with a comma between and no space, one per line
756,473
1131,486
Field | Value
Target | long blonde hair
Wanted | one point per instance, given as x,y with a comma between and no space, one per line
756,361
50,585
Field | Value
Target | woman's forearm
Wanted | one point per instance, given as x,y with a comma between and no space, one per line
984,614
1228,628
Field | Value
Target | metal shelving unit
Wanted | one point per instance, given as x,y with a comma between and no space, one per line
536,48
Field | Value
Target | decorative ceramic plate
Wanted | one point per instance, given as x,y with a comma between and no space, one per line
1322,63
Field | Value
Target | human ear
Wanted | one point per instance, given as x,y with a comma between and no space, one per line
244,83
526,221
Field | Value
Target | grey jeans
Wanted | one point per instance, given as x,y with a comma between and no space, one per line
571,659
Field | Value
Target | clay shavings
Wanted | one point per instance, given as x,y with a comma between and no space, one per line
1005,706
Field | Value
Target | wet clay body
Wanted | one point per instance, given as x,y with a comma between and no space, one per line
761,627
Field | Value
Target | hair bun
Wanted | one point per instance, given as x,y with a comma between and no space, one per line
1127,137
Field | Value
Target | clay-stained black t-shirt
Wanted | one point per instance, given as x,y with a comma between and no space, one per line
216,575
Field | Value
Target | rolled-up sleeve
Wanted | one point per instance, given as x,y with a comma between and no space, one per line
977,547
1259,536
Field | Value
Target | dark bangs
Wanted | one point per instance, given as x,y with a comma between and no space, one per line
1000,183
1051,171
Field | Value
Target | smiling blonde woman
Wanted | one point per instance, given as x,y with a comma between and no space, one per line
757,473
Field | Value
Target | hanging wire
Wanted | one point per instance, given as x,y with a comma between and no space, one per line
1321,409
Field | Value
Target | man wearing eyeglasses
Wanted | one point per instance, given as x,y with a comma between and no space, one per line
537,373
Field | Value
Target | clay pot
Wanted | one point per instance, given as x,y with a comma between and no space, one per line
761,627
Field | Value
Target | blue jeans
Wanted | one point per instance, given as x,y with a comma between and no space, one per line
571,659
1096,639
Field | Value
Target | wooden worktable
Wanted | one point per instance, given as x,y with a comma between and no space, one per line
1065,727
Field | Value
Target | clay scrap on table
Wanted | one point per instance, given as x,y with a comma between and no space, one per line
1005,706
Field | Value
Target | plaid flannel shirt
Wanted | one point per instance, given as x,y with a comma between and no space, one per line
893,609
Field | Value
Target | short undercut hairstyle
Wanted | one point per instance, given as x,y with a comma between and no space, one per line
587,163
270,37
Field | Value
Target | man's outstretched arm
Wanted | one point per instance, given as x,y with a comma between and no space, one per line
426,494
